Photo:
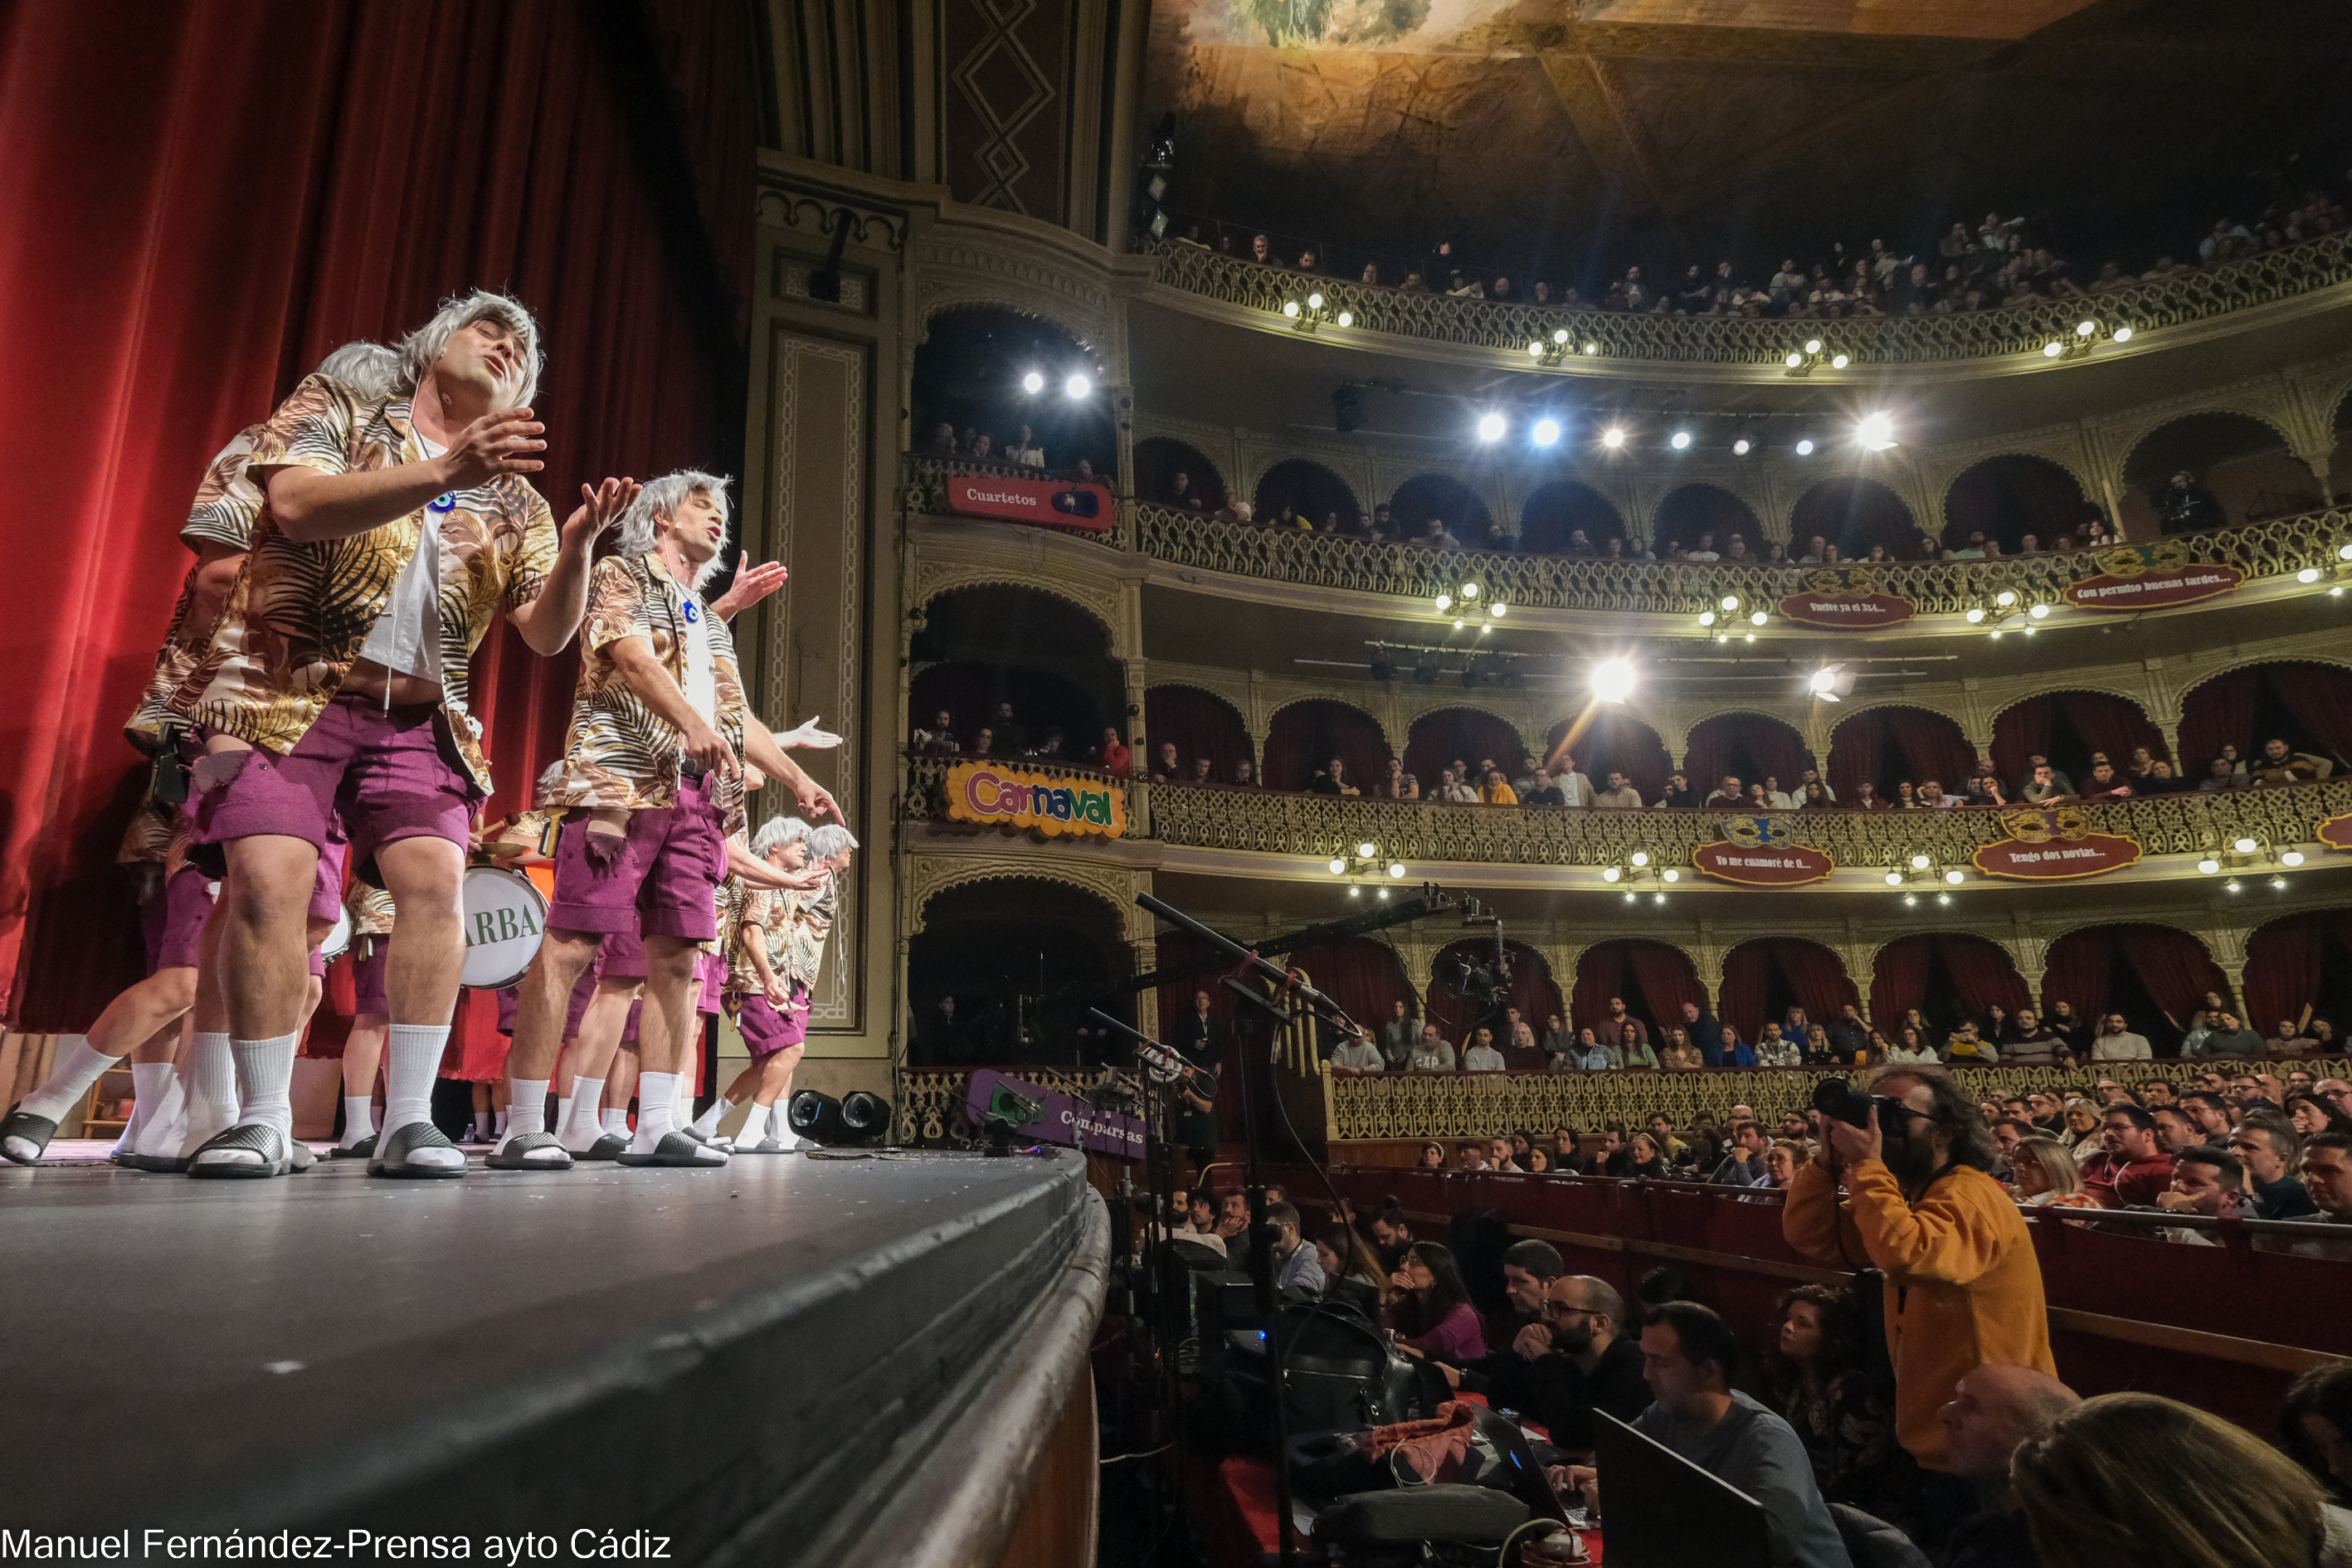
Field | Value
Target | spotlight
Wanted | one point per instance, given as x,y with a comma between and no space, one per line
2123,334
1490,427
1383,666
1839,362
1731,601
1545,432
1033,383
1458,623
2245,846
1315,300
1657,897
1290,308
2208,865
1805,448
1758,619
1751,637
2292,857
1494,608
2308,574
1812,345
1895,879
1943,898
1613,681
1367,849
1592,348
1614,438
1079,384
1560,335
1469,590
1346,319
1425,668
2343,553
1610,874
2052,349
1339,867
2279,883
1535,348
1396,869
1953,876
1919,862
1681,440
2084,329
817,1116
1354,891
1445,603
2039,612
2235,886
865,1116
1823,683
1631,897
1910,899
1876,432
1794,360
1739,447
1706,618
1381,893
1670,875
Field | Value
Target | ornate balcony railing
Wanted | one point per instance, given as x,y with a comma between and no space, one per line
2171,301
2281,546
923,489
1277,822
930,1108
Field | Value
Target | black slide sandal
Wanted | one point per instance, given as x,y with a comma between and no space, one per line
258,1137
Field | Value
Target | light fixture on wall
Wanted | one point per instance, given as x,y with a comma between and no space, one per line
1363,865
2235,852
1917,871
1634,866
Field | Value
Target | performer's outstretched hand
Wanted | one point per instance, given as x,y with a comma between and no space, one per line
503,442
808,737
598,510
751,584
816,803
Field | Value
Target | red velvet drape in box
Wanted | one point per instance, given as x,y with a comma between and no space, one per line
1468,735
2308,705
1762,977
1652,978
2168,964
1043,700
1363,975
1304,737
1751,745
2068,727
203,200
2219,714
2286,962
1200,724
1887,745
1606,737
1981,972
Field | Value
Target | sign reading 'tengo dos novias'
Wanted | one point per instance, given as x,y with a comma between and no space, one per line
2053,845
1043,501
1017,797
1762,865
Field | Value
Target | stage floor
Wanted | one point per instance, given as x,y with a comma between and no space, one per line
684,1352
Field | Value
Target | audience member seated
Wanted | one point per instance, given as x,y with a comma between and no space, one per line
1576,1364
1431,1309
1351,1271
1742,1165
1479,1054
1644,1160
2183,1488
2205,1181
1297,1272
2328,1181
940,738
1679,793
1993,1410
1332,779
1400,785
1728,795
2265,1142
1199,1226
1815,1379
2031,1043
2130,1170
2228,1037
1688,1357
2317,1423
1433,1054
1357,1055
1679,1055
2043,1174
2280,764
1113,756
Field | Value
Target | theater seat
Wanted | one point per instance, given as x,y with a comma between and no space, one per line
1873,1542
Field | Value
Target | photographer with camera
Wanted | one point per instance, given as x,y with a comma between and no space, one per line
1961,1285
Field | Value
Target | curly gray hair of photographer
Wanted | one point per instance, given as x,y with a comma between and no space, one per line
830,840
369,369
778,833
422,346
635,534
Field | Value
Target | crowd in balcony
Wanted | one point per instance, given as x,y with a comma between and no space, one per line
1018,446
1967,268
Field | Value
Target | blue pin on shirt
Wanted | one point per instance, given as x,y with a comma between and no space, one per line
443,503
693,612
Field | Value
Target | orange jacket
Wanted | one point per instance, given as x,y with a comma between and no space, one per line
1963,1285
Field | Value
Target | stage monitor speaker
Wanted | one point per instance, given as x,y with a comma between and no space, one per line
865,1116
815,1116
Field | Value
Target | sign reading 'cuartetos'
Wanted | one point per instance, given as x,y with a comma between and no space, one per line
1016,797
1855,612
1032,501
2151,578
2054,845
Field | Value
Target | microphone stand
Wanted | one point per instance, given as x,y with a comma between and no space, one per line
1159,1178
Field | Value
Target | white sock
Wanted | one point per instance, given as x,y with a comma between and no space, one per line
526,1109
580,1129
77,1068
168,1128
657,1100
411,1060
359,1118
563,1113
756,1124
498,1118
616,1118
265,1082
151,1085
481,1126
208,1082
708,1122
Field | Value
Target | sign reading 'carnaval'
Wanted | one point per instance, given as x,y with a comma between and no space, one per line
2151,578
1017,797
1043,501
2053,845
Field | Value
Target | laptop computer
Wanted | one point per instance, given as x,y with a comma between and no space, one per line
1660,1510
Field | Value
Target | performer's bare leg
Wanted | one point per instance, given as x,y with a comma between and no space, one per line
665,1035
363,1055
141,1014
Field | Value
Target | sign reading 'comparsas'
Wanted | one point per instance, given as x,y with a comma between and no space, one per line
1017,797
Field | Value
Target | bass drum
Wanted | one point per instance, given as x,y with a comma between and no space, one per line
506,916
338,941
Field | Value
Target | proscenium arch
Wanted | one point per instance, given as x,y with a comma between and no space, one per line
1696,507
1159,459
2009,495
1314,488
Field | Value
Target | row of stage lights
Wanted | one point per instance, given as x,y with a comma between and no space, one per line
1076,386
1872,432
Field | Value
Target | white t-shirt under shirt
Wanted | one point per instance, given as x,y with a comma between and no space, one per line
701,682
406,638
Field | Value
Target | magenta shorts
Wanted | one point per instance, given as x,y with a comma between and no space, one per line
622,956
713,970
387,774
327,883
629,1029
510,999
367,976
660,878
318,964
766,1031
187,903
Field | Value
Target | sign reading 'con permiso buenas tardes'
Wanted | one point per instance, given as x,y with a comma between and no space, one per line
2151,578
1018,798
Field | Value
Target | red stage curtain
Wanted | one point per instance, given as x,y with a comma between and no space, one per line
1808,972
2076,971
1463,734
1980,970
2284,963
2173,967
1607,737
2109,725
1898,980
2319,698
1887,745
1201,725
2219,714
1532,992
2067,727
224,192
2020,733
1305,736
1751,745
1653,978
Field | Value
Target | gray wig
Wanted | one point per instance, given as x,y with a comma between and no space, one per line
423,345
778,833
828,841
371,370
636,535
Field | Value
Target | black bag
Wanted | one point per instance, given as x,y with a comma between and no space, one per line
1409,1514
1339,1376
